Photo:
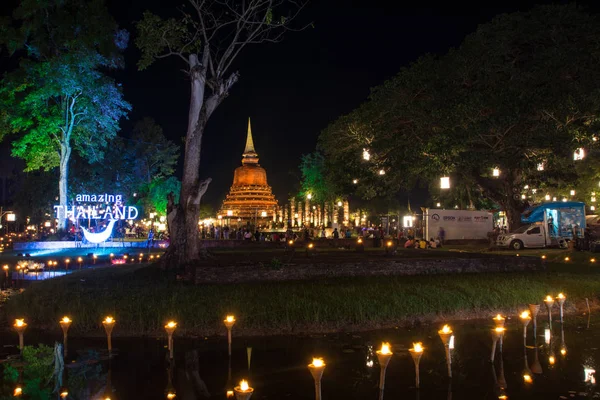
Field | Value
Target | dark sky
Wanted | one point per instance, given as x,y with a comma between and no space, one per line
293,89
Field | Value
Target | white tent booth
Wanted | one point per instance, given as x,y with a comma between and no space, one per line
458,224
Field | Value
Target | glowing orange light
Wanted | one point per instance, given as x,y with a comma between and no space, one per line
500,329
171,324
318,362
18,391
171,395
567,258
19,323
592,260
446,330
385,349
66,320
64,394
525,315
561,296
563,351
417,347
551,360
109,320
544,257
230,318
527,378
244,385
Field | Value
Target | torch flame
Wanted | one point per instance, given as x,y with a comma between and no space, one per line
527,378
65,320
498,317
500,329
64,395
525,315
563,351
551,360
318,362
561,296
108,320
18,391
418,347
230,318
171,324
244,385
171,395
19,322
291,242
446,329
230,394
385,348
549,299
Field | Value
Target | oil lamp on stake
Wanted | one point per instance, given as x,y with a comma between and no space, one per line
445,334
416,352
525,318
499,321
170,328
549,301
20,326
244,391
384,356
534,309
109,324
229,322
316,369
561,303
497,334
65,323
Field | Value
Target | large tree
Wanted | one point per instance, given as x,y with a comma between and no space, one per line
60,99
519,95
207,38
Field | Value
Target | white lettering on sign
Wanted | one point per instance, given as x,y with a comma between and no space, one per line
98,198
94,212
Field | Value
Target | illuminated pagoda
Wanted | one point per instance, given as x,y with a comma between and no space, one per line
250,198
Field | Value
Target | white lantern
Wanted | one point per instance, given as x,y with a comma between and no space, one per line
407,221
496,172
540,167
445,182
547,197
381,172
11,217
366,155
579,154
593,199
572,192
438,205
523,197
592,208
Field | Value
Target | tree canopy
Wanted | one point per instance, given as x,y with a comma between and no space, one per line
519,95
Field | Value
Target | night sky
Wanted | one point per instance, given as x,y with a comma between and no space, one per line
294,89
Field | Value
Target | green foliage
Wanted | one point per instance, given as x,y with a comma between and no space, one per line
155,155
157,36
158,191
314,179
36,376
522,90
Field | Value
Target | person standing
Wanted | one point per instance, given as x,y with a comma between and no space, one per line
336,234
150,243
442,235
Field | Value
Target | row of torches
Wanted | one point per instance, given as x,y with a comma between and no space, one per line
317,367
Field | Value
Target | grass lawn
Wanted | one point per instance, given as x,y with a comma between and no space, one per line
142,298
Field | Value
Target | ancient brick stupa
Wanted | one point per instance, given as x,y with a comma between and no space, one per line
250,198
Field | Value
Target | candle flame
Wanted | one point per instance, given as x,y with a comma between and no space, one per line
551,360
19,322
561,296
291,242
543,257
567,258
418,347
549,299
525,315
171,395
500,329
65,320
385,348
244,385
230,318
527,378
79,259
498,317
171,324
359,241
593,260
318,362
109,320
446,329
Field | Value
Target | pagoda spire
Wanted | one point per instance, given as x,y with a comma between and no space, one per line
250,156
249,142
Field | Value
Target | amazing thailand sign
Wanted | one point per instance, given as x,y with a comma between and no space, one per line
101,206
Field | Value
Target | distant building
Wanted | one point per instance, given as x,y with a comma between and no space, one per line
250,198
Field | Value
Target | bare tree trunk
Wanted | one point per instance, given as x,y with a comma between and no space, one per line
65,154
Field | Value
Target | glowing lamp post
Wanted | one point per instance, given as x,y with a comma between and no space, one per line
445,334
67,261
416,353
497,334
109,324
384,356
65,323
561,303
499,321
244,391
525,318
170,328
95,257
229,322
171,395
5,268
79,261
20,326
549,301
316,369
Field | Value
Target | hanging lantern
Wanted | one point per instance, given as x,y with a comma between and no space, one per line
445,182
547,197
579,154
496,172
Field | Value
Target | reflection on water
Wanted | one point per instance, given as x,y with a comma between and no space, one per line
524,367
